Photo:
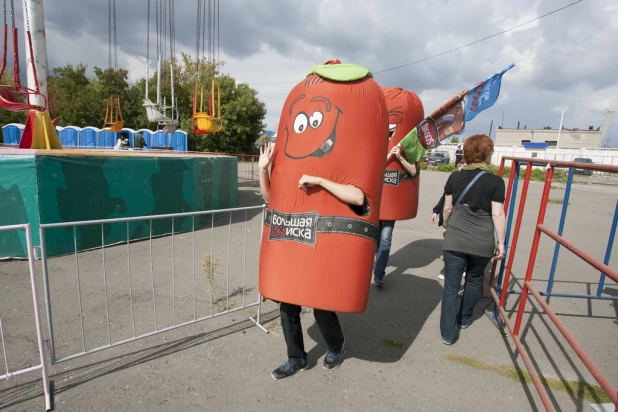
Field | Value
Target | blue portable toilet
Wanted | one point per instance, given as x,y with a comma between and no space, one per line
179,141
108,139
89,137
11,133
69,136
161,140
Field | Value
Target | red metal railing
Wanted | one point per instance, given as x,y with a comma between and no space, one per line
528,288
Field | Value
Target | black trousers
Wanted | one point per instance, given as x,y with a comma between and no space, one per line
327,321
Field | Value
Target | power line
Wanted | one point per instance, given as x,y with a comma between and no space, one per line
452,50
480,40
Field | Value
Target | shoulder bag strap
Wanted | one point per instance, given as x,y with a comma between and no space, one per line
468,187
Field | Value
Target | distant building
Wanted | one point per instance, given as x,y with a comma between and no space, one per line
568,137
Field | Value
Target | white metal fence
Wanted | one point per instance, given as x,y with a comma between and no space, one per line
8,372
117,295
605,156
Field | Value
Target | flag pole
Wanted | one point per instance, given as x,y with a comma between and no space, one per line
560,129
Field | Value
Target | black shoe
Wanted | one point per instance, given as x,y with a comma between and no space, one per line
288,369
332,360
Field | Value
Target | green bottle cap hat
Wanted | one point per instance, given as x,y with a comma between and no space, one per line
340,72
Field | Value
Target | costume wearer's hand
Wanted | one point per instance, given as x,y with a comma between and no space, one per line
434,217
499,253
396,151
266,156
444,234
306,182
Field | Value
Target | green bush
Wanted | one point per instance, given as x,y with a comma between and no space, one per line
560,175
423,165
446,168
538,175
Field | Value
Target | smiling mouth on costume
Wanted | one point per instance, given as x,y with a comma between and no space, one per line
391,130
325,148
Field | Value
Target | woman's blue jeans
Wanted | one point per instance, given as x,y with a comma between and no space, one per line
453,313
383,249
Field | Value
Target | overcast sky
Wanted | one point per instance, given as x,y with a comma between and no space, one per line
568,60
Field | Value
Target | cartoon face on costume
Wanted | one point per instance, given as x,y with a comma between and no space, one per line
405,111
395,118
311,125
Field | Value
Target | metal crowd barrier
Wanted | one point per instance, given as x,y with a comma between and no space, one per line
85,348
8,373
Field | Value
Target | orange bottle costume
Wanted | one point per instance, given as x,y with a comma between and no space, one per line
400,191
317,251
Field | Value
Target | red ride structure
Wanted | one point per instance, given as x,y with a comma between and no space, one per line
500,290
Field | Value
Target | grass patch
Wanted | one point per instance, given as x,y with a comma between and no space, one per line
579,389
555,201
557,188
393,343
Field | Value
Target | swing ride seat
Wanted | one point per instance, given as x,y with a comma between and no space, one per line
114,127
9,101
169,128
206,123
154,115
210,121
113,116
9,93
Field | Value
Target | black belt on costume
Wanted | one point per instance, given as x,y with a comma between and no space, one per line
393,177
302,227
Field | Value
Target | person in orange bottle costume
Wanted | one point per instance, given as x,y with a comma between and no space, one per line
321,225
401,178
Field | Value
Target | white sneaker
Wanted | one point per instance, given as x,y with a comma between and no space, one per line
441,277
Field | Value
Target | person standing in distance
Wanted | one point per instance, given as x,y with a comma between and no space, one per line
458,155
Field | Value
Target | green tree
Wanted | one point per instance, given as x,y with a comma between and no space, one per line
76,101
455,139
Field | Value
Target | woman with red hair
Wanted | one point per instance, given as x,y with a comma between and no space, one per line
473,212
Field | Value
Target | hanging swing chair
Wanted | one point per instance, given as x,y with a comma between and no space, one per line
113,116
156,112
210,121
39,131
15,97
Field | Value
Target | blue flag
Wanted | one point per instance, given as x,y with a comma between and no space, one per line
484,94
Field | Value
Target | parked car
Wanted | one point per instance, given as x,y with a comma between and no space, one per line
438,158
582,171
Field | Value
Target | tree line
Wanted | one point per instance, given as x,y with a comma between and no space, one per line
79,100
